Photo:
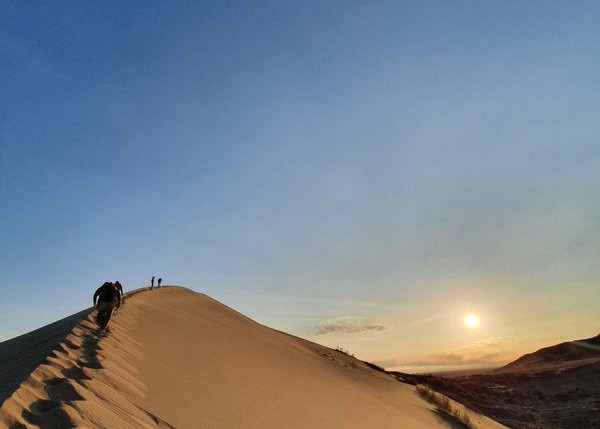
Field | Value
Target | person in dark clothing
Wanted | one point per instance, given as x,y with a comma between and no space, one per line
107,293
159,282
119,288
152,282
106,298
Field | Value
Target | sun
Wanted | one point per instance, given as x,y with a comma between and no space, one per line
471,321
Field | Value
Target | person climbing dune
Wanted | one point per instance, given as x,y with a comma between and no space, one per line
119,287
106,299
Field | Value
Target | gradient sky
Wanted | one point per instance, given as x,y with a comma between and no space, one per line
362,174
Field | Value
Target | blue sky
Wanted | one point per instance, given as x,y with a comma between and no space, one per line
313,164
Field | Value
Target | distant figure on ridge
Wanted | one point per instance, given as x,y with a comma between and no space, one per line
107,297
159,281
152,282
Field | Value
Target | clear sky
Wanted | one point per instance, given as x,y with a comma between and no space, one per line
362,174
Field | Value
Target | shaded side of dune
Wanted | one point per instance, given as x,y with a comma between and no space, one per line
21,355
76,386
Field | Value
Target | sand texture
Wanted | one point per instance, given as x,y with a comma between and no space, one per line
174,358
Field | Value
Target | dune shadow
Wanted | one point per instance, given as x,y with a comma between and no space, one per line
90,345
49,413
75,373
52,418
61,390
89,354
21,355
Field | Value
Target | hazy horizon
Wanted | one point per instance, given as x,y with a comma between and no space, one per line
361,175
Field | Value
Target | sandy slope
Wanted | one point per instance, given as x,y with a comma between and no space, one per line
19,356
178,359
560,357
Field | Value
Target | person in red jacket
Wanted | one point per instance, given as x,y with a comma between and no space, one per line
119,288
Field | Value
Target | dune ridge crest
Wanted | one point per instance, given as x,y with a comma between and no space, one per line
177,359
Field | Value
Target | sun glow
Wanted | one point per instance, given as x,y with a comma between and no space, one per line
471,321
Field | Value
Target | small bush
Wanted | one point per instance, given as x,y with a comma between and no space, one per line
342,350
466,420
443,403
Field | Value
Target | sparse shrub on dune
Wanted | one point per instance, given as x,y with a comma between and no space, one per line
443,403
466,420
344,351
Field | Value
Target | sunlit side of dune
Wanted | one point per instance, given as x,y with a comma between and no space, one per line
174,358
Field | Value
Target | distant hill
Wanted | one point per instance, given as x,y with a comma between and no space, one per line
557,387
569,354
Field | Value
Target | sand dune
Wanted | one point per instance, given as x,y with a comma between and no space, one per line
174,358
19,356
567,355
